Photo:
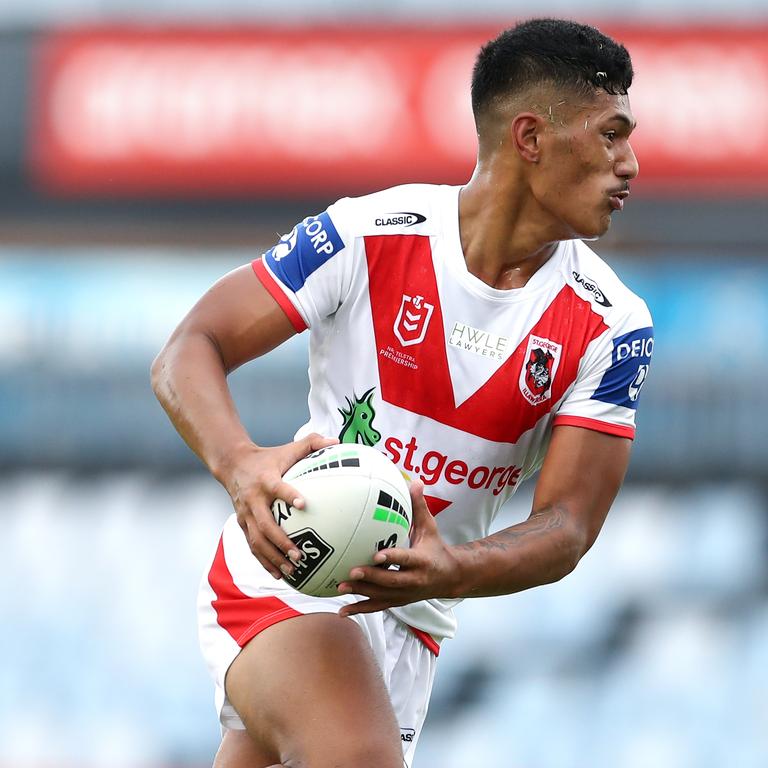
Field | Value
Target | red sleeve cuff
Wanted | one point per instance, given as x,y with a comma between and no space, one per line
598,426
269,282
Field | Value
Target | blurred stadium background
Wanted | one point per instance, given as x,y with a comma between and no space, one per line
148,147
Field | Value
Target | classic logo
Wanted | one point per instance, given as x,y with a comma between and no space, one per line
404,218
412,320
407,735
314,552
542,357
591,286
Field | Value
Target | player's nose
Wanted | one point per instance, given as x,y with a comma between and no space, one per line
627,166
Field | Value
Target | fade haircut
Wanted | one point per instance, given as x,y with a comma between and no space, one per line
572,57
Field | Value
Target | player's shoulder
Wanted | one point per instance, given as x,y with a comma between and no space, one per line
593,279
408,209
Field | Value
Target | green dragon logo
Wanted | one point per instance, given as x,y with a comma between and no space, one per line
358,420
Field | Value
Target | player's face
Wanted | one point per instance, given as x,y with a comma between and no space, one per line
587,165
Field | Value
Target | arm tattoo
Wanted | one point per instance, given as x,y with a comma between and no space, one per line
544,520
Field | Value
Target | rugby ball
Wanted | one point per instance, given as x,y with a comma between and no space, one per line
356,503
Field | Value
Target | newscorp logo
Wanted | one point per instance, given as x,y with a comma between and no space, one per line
400,218
433,466
591,286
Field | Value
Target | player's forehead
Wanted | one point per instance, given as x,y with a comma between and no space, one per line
608,107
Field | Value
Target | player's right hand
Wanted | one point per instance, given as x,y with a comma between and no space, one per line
254,480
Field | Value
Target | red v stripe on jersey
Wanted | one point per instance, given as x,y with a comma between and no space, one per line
417,377
436,505
398,265
568,320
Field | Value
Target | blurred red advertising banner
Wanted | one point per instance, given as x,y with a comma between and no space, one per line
324,110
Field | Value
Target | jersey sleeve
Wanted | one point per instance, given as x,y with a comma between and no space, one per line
308,272
613,371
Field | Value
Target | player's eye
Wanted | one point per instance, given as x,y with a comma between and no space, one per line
610,135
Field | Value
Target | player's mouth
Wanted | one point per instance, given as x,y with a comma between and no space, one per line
617,198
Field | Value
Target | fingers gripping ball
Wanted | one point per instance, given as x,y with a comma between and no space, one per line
356,503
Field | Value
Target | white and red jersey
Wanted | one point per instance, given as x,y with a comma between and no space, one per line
459,383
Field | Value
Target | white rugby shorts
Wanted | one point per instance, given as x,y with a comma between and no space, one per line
238,599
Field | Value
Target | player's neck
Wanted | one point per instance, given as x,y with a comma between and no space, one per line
504,236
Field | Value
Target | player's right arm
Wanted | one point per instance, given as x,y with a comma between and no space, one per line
236,321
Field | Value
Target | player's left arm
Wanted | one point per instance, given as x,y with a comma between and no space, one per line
581,475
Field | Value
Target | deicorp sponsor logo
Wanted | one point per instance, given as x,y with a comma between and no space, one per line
433,466
630,363
400,218
635,344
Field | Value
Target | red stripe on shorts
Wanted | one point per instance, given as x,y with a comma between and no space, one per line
427,639
242,616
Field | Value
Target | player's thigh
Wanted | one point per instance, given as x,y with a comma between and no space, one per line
239,750
310,692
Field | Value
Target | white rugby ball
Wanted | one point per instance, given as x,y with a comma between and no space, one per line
356,503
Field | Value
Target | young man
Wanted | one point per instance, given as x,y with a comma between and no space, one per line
488,341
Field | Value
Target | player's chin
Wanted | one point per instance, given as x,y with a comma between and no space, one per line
597,227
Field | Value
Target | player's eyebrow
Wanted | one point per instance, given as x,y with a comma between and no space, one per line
622,118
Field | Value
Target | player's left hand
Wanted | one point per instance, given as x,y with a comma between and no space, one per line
428,569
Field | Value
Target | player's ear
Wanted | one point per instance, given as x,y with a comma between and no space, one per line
526,129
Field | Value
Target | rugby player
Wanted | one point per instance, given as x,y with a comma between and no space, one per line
486,340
